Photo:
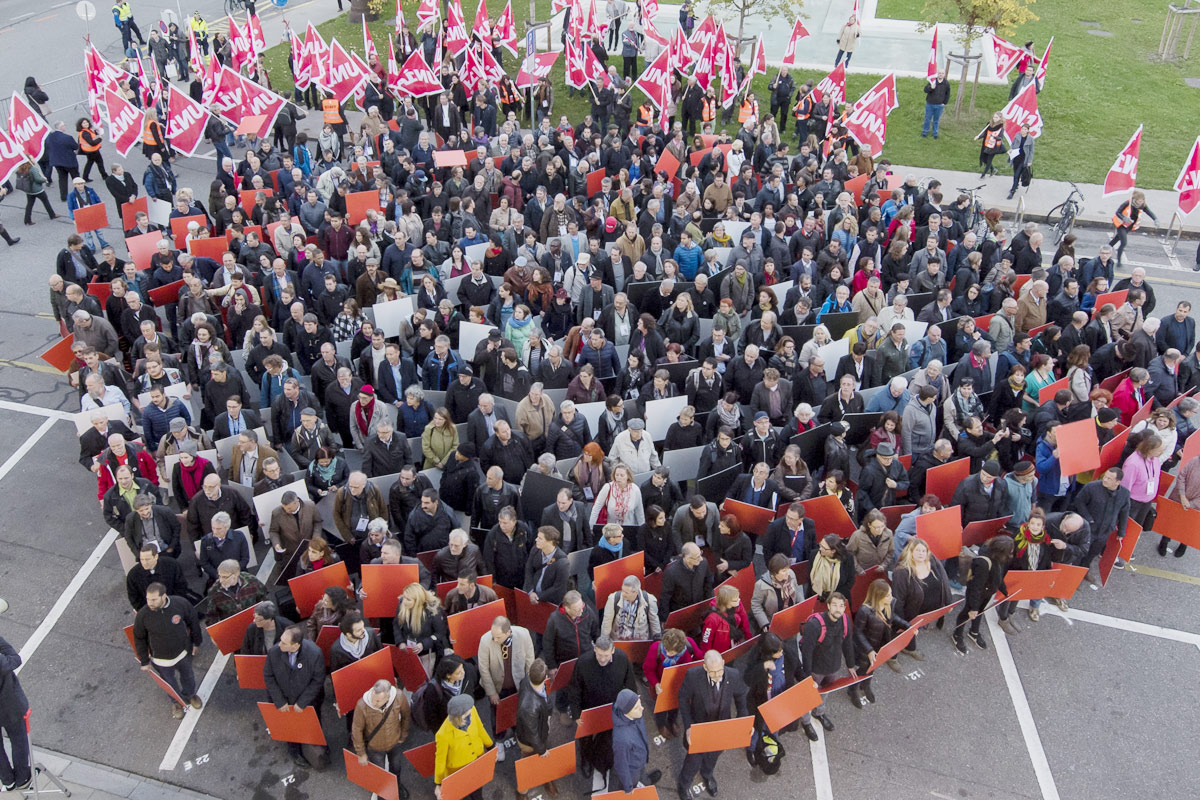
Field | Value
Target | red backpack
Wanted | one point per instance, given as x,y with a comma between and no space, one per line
821,619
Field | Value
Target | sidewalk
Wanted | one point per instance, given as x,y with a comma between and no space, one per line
91,781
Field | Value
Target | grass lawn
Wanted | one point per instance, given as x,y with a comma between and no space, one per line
1098,91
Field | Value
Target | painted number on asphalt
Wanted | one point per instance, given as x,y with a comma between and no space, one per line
288,780
914,675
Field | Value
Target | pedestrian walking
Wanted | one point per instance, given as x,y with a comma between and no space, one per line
847,40
166,635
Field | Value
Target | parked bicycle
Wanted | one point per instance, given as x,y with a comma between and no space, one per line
1062,217
975,219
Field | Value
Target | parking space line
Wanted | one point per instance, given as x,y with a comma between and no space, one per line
820,764
68,594
30,365
1124,624
1167,574
192,718
25,408
1016,691
26,446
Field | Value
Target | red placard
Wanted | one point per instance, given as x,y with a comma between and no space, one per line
607,578
129,212
1110,453
91,218
893,514
227,634
208,248
1048,391
753,519
1078,446
1029,584
790,705
667,163
1178,523
855,186
128,631
829,515
594,720
787,622
449,158
535,770
357,204
143,247
943,479
1118,548
408,667
422,758
723,734
672,679
644,793
982,323
166,295
370,777
532,616
595,182
842,683
506,713
562,675
166,687
477,774
382,586
1018,282
634,649
467,627
1113,381
251,125
444,589
942,530
921,620
1117,298
60,356
307,589
250,671
179,226
892,648
353,680
1066,581
734,653
246,200
100,290
325,639
303,727
979,532
688,618
743,582
1142,413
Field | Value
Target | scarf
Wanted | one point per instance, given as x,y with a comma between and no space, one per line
620,501
192,477
730,418
363,418
626,615
612,547
324,473
786,592
590,476
520,323
1024,538
825,574
453,689
354,648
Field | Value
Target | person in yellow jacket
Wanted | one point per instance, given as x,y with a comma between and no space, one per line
461,739
123,20
200,30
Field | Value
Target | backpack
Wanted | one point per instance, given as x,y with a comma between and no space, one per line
422,698
768,753
821,619
966,559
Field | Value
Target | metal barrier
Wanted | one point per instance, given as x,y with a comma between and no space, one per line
1171,237
68,99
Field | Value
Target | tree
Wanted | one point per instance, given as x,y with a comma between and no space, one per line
787,10
971,20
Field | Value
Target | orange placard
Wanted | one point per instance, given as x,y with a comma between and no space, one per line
408,667
353,680
530,615
1110,453
696,156
535,770
892,648
100,290
943,479
444,589
307,589
667,163
1117,298
128,631
1118,548
644,793
208,248
790,705
842,683
325,639
1178,523
1078,447
477,774
979,532
563,675
921,620
734,653
179,227
166,295
595,182
1165,481
506,713
635,650
753,519
250,671
829,515
303,727
246,201
357,204
672,679
91,218
1066,581
942,530
251,125
422,758
60,356
370,777
129,212
467,627
1029,584
143,247
593,721
1047,392
1142,413
855,186
166,687
382,585
227,634
449,158
607,578
272,227
724,734
688,618
787,622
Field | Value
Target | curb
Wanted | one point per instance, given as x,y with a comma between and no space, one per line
74,770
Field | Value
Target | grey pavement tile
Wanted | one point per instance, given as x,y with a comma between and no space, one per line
99,778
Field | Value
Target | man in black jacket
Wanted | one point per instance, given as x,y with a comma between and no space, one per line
533,715
155,568
295,676
881,480
983,496
936,95
827,650
429,525
714,692
1104,505
507,449
546,570
15,775
941,453
1076,534
493,495
166,634
268,627
569,632
792,535
569,517
598,677
686,581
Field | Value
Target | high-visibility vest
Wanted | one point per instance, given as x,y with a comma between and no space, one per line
123,11
509,93
804,108
645,112
991,138
200,28
83,142
331,112
749,109
709,112
149,133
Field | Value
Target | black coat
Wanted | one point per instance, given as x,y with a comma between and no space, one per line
303,684
553,577
533,718
908,593
13,703
682,587
872,488
696,701
593,685
565,640
977,505
827,654
254,642
778,539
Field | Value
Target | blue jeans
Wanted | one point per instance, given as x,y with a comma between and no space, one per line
933,114
18,770
180,676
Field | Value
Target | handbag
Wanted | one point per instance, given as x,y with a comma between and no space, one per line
1026,175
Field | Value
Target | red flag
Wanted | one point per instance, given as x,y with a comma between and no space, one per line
124,122
369,43
726,61
185,121
533,70
1188,182
195,59
576,73
400,25
705,64
241,50
798,32
867,122
491,67
833,87
649,12
254,29
505,31
315,55
682,55
1022,110
227,96
1006,54
261,102
27,127
576,24
482,27
393,70
594,69
885,87
343,77
705,33
301,69
1123,174
11,156
472,70
931,69
416,79
651,81
758,63
1039,77
556,6
456,29
428,13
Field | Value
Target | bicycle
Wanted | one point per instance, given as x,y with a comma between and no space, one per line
1062,217
975,219
235,7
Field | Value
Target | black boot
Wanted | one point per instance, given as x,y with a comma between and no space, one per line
7,238
855,698
1180,550
1162,545
868,693
960,646
810,731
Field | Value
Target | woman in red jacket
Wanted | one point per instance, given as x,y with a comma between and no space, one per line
726,623
674,648
1131,394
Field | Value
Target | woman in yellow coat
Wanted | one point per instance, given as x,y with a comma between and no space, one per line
461,739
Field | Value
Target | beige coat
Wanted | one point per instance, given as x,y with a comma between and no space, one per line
848,37
491,660
534,421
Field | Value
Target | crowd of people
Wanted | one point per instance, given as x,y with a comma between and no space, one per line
729,285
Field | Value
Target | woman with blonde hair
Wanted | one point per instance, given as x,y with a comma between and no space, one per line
619,500
726,623
875,623
919,585
421,625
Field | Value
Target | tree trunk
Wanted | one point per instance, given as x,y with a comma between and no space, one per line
359,11
741,30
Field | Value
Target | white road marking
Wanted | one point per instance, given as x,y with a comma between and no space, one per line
64,599
1016,691
192,718
25,408
820,764
26,446
1124,625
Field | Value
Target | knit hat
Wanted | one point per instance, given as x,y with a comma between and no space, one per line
1107,415
459,705
467,450
1023,468
367,388
178,425
189,447
992,468
626,700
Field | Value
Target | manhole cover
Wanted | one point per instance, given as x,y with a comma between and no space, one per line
1087,24
1192,82
1099,33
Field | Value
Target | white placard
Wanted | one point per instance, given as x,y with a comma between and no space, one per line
592,413
781,290
181,391
451,287
832,353
734,229
267,502
684,464
660,414
83,419
474,252
389,315
913,330
159,212
723,252
470,334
